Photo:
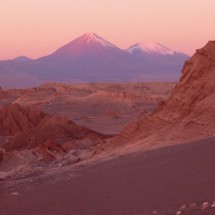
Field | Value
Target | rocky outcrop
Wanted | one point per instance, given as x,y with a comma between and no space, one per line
2,93
51,150
193,99
8,96
1,155
20,92
189,113
58,129
30,128
14,119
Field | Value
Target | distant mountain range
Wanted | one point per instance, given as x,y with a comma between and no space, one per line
90,58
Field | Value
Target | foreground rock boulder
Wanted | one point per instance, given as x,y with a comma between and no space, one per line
188,114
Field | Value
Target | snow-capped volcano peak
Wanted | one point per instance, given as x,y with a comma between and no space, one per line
151,48
89,44
89,37
94,38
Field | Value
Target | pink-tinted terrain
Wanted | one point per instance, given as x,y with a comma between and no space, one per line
149,148
90,58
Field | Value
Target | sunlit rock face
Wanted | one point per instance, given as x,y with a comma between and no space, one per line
189,113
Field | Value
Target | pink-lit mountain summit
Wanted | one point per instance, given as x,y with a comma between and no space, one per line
89,44
90,58
151,48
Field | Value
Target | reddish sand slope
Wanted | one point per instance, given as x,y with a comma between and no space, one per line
162,179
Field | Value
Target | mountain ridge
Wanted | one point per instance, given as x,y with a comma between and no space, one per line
90,58
151,48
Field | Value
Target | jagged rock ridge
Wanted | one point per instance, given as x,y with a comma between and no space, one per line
189,112
30,128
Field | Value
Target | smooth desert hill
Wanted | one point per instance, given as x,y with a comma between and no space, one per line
91,58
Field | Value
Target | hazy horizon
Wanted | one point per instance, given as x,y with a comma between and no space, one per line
37,28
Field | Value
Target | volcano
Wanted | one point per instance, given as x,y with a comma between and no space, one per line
90,58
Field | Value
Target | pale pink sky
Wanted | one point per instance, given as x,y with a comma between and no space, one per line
38,27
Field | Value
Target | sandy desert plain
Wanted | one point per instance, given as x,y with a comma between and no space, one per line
111,148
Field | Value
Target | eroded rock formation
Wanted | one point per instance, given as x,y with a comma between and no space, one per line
189,113
14,119
31,129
